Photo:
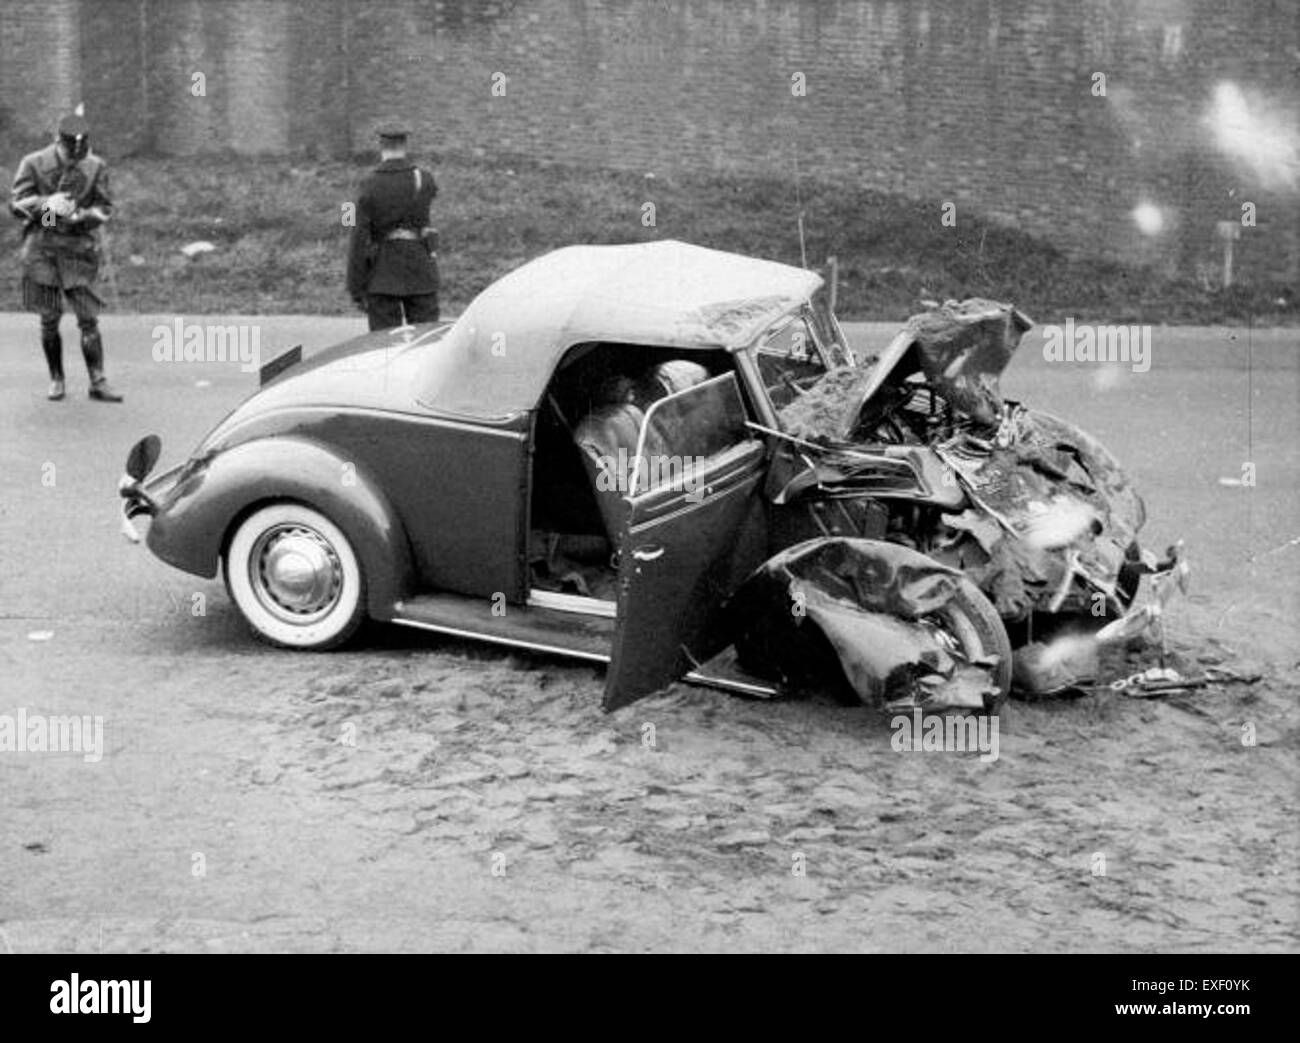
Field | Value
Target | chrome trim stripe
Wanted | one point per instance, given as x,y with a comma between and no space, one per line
474,635
675,507
704,681
585,606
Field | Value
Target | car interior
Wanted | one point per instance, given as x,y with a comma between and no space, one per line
590,431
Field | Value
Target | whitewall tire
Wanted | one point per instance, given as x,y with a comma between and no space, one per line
295,578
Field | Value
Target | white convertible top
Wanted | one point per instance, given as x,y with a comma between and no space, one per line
499,356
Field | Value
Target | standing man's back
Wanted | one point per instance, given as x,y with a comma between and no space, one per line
392,263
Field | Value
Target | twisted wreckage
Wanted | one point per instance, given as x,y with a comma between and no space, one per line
1030,508
667,459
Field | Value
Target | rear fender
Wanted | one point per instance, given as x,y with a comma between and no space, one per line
195,517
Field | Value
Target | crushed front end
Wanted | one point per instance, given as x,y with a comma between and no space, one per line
1032,509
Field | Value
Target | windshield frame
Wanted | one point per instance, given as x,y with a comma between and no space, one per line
819,321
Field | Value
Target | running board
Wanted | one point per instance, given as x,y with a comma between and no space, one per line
535,627
556,632
572,603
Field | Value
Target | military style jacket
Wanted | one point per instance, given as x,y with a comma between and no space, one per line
60,251
388,254
42,174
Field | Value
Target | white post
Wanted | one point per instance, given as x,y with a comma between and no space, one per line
1229,232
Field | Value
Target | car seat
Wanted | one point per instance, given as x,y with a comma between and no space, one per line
668,378
607,438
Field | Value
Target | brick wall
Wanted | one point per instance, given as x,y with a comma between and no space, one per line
986,103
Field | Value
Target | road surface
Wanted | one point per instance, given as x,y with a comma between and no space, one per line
412,793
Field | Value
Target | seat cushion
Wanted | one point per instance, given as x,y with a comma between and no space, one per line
607,438
667,378
607,429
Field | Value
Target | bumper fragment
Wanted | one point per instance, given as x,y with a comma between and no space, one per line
140,498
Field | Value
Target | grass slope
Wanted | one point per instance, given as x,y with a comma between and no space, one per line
278,228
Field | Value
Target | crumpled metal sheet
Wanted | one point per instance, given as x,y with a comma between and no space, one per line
877,652
964,346
1049,502
1052,503
867,598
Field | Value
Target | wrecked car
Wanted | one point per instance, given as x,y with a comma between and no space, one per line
666,459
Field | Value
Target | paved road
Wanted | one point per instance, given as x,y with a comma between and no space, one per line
224,753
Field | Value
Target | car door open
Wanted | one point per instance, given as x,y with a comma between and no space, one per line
695,528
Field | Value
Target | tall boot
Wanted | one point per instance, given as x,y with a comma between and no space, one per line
92,349
52,345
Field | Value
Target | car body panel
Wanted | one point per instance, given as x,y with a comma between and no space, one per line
203,500
679,560
457,490
375,370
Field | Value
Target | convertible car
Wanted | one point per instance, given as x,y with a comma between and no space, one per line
666,459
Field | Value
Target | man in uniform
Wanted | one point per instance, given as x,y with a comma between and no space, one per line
392,264
61,194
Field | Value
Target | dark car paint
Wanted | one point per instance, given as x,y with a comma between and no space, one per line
374,369
196,513
454,493
683,558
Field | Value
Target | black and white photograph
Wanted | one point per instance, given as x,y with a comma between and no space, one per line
650,476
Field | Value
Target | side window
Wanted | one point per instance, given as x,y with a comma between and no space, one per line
682,431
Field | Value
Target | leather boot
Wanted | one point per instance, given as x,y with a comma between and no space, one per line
52,345
92,349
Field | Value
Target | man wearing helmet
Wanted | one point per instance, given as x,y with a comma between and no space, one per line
61,194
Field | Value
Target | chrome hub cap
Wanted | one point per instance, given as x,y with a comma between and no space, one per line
295,573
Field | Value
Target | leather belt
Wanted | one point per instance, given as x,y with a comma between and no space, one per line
402,233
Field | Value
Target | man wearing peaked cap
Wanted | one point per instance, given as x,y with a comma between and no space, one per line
392,260
61,195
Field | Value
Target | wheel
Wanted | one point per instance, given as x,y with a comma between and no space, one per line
295,578
973,625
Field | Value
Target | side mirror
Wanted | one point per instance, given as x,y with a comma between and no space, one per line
144,454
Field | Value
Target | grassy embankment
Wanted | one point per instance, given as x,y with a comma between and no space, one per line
277,225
